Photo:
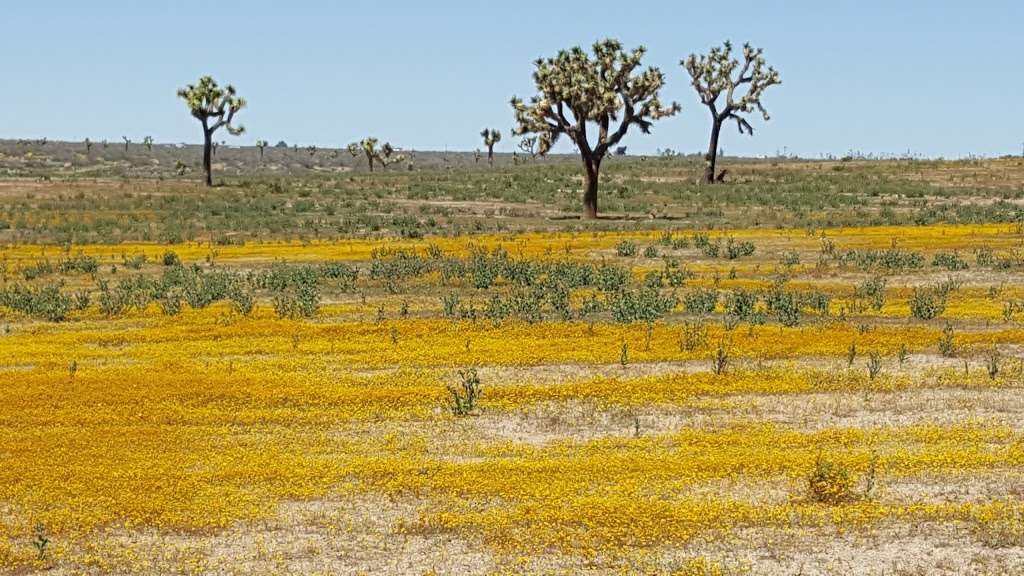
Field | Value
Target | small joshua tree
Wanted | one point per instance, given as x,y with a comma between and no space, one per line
529,145
712,74
215,108
385,155
491,137
148,143
127,141
261,145
88,146
577,90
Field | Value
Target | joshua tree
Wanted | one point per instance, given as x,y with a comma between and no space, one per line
385,155
148,142
577,89
712,74
261,144
491,137
127,141
88,146
215,108
529,145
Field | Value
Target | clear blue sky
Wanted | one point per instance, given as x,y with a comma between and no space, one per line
938,78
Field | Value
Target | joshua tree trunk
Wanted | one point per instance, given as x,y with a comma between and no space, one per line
490,155
369,158
712,156
207,152
591,169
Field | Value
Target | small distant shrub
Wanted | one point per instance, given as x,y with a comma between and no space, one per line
611,278
873,290
700,301
712,249
992,362
950,261
830,482
741,303
463,398
947,346
242,300
450,305
626,248
721,359
983,256
694,336
675,275
734,249
170,258
874,365
37,270
170,304
785,306
80,263
45,303
135,262
928,303
644,305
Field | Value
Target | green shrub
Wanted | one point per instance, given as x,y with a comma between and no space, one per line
626,248
873,290
734,249
170,258
463,399
700,301
741,304
950,261
830,483
44,303
928,302
80,263
644,305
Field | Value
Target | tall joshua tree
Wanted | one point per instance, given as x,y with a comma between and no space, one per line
385,155
215,108
712,74
607,90
491,137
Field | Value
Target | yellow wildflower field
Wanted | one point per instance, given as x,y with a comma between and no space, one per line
834,402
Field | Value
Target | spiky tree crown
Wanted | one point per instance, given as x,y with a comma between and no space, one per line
491,136
207,100
713,73
576,88
384,156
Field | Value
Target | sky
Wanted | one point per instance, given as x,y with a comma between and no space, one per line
935,78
